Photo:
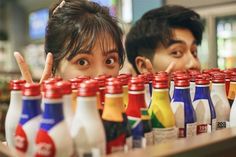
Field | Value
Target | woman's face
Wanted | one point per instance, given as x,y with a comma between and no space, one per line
97,62
182,50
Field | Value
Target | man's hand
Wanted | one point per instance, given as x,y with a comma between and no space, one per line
47,72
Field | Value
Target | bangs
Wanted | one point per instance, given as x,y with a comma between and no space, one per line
94,30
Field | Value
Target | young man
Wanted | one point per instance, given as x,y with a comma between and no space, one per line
165,39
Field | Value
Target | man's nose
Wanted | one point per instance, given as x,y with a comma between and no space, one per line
192,63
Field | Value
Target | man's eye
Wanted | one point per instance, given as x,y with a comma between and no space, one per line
82,62
110,61
195,53
177,54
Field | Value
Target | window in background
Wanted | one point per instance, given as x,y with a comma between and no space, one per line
37,24
111,4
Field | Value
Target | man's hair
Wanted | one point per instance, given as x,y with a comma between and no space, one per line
75,26
155,29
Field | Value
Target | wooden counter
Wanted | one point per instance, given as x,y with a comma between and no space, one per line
217,144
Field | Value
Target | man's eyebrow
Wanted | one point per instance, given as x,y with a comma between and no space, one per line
177,41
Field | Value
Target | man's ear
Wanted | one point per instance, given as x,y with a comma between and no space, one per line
143,64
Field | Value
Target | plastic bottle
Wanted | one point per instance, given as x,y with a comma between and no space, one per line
232,88
87,128
204,108
124,80
66,91
14,111
146,90
162,117
53,137
182,107
112,116
133,111
220,101
29,119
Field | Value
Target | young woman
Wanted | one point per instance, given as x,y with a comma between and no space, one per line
81,39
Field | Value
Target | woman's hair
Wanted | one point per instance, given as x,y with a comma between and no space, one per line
75,26
155,29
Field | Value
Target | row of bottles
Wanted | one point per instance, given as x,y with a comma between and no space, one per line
103,115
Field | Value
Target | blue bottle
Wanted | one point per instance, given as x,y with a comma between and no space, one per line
182,107
204,108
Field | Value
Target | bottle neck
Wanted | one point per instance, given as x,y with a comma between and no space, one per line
160,94
232,90
16,100
219,88
136,101
113,107
202,92
86,105
182,94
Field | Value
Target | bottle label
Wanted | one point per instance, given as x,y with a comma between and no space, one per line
162,134
213,125
116,145
45,146
21,141
139,142
221,125
149,138
129,143
203,114
202,128
94,152
191,129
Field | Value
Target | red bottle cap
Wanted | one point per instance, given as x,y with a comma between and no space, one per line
160,82
144,78
101,81
178,72
227,73
47,82
113,86
83,78
105,75
17,84
218,77
202,79
149,76
124,78
88,88
64,87
215,69
233,77
232,69
193,74
56,79
182,80
75,83
206,71
52,91
162,73
136,84
31,89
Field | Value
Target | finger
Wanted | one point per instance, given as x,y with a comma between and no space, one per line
170,67
47,72
25,72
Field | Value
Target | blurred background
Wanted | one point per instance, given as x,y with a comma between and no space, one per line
23,22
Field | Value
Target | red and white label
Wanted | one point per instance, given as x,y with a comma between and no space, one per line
202,128
45,146
21,141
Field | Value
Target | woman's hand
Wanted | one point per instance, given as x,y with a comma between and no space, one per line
25,72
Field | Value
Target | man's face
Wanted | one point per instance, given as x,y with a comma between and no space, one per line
182,50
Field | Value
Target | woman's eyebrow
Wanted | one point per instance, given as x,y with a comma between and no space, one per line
114,50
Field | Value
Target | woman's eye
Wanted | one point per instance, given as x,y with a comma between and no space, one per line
82,62
177,54
110,61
